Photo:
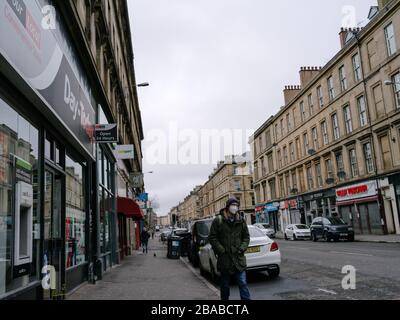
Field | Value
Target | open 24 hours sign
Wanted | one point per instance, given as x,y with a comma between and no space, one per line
106,133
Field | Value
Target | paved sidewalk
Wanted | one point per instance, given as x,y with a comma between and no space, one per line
145,277
392,238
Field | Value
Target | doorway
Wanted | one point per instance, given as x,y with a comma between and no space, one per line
54,229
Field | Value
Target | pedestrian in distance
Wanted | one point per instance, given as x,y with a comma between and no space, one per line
152,233
229,238
144,237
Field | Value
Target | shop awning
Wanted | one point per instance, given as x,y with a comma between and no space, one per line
129,208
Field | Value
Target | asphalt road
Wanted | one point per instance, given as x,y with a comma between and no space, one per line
314,271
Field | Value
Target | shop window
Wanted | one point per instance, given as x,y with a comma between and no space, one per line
75,223
106,203
19,216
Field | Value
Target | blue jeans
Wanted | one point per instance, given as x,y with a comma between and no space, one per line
241,281
145,246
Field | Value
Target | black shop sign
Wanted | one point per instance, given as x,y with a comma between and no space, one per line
106,133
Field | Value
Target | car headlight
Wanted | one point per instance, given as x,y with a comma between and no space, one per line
350,229
333,228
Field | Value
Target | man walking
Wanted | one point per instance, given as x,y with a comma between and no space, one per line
144,237
229,238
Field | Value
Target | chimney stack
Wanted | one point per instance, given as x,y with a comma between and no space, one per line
344,32
307,74
290,92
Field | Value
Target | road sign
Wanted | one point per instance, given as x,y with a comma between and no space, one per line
106,133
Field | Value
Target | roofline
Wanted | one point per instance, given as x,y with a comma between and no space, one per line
363,33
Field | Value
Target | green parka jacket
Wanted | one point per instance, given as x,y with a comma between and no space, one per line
230,241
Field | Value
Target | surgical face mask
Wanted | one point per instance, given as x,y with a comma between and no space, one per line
233,209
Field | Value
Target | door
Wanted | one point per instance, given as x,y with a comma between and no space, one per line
54,255
375,219
364,219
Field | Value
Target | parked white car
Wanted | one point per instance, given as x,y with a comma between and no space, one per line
297,232
262,255
267,229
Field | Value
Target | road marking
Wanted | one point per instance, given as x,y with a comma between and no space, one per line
353,254
328,291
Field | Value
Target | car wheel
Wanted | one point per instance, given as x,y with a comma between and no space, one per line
350,239
274,273
286,237
314,237
326,237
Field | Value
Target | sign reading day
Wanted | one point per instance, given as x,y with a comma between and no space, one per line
49,63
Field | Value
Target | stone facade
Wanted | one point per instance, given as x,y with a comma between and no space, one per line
339,128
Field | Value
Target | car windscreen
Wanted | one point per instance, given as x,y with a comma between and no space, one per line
335,220
301,227
256,233
266,226
203,228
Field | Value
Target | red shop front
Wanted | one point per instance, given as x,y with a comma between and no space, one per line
129,217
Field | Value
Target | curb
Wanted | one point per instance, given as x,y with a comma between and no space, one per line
202,279
358,240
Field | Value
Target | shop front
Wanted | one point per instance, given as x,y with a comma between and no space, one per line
259,213
129,217
360,206
271,215
284,216
47,157
320,204
294,212
391,199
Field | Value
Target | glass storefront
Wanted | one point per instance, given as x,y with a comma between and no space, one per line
19,251
106,206
75,222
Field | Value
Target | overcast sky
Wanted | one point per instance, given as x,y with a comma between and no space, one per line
220,64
